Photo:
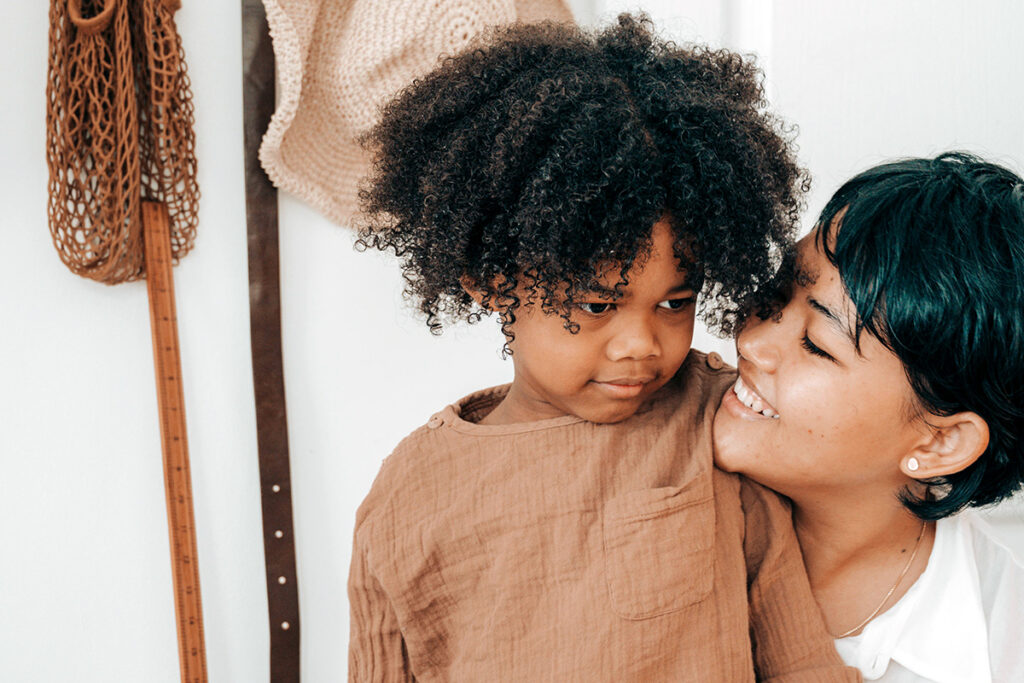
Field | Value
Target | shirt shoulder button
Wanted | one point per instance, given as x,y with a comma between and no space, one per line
435,422
715,361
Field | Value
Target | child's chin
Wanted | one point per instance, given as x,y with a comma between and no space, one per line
612,413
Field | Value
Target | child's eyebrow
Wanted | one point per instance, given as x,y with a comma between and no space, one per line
604,292
676,292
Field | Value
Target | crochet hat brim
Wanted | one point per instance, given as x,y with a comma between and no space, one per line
338,61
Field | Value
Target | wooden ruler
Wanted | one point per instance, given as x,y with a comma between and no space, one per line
177,480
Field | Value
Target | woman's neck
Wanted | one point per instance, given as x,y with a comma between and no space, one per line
856,549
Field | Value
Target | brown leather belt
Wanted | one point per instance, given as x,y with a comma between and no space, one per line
267,366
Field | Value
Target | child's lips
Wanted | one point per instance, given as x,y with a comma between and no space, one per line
624,387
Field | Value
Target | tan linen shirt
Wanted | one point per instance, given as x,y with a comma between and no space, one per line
563,550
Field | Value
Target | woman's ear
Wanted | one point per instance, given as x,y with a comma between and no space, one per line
952,445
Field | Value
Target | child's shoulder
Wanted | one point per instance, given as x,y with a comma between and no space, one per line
701,381
429,439
708,365
429,453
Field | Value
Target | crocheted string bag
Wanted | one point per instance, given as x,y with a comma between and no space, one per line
119,119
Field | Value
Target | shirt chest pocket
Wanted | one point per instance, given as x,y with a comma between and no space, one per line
659,550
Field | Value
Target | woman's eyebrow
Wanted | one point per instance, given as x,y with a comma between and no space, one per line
835,321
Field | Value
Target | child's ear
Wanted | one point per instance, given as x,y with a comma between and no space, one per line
469,284
952,445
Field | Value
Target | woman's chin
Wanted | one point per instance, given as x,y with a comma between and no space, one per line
740,439
729,448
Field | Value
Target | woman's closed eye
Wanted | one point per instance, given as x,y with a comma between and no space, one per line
814,349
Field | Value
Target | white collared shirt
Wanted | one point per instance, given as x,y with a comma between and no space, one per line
961,622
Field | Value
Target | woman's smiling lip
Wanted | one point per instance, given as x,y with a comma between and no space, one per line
743,401
624,387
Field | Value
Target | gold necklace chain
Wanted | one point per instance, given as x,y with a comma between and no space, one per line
892,590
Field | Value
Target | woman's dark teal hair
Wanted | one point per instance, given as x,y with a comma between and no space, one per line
931,252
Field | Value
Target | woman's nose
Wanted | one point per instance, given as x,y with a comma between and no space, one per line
758,342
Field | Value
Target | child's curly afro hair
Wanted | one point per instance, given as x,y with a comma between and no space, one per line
529,162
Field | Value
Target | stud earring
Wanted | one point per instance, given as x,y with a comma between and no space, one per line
912,464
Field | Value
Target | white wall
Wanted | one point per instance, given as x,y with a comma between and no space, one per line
85,587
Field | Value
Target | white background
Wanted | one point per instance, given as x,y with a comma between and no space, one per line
85,584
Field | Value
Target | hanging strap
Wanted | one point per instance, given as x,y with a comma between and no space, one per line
267,366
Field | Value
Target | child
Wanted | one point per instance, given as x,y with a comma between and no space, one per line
570,526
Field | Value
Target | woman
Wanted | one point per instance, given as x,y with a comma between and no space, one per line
886,397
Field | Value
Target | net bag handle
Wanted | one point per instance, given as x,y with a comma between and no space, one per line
91,25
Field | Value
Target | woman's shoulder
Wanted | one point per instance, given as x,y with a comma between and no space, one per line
996,551
982,555
997,544
996,541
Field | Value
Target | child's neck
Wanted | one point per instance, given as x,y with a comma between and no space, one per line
518,407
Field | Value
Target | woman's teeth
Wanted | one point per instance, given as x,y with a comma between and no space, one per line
751,400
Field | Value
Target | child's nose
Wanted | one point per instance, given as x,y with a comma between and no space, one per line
634,342
758,342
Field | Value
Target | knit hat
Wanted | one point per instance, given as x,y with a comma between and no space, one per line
338,61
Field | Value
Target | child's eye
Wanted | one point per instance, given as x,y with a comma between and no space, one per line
676,304
596,307
813,349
